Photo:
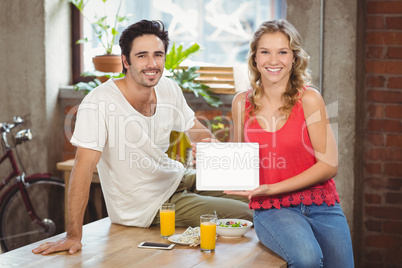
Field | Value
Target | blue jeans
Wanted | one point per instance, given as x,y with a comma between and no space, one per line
306,236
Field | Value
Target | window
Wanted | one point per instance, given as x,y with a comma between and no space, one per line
223,28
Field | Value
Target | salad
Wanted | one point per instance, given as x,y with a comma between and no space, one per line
232,224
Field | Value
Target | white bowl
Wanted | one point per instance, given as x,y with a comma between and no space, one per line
232,232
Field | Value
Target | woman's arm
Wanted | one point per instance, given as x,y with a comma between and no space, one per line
238,107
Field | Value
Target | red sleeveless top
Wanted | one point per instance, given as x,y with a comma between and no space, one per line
284,154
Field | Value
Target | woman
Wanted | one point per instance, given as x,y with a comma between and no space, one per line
296,207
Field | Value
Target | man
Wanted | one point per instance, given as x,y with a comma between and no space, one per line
123,128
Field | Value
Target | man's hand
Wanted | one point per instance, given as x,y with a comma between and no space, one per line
66,244
80,183
194,146
210,140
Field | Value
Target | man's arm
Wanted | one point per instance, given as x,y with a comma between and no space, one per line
199,133
78,194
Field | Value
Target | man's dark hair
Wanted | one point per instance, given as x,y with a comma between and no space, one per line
141,28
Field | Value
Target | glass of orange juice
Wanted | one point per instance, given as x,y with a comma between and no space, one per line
208,232
167,220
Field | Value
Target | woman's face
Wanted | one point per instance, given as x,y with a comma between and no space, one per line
274,59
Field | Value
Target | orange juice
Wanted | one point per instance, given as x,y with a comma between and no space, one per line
208,235
167,219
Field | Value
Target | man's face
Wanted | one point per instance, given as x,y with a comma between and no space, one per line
147,59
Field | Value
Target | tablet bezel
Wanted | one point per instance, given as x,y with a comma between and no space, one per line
217,176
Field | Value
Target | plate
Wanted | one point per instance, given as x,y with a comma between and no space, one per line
176,239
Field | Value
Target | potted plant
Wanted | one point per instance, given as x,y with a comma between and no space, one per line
105,30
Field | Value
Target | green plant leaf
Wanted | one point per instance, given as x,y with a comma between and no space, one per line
101,22
85,88
82,41
178,55
79,4
121,19
114,32
92,84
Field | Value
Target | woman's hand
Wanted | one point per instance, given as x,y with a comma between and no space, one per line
239,193
259,191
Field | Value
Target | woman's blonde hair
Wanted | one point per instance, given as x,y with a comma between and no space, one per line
299,76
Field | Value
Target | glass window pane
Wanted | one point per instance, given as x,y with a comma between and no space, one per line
223,28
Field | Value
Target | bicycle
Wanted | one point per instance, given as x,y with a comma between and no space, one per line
31,207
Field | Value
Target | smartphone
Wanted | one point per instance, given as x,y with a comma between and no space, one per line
156,245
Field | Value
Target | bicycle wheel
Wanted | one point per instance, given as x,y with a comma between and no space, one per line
47,198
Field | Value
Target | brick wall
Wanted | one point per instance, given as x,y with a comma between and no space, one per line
382,190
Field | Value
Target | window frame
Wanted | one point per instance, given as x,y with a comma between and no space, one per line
77,50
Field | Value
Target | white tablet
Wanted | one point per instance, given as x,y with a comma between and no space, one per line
227,166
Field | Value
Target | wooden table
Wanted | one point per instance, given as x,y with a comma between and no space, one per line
66,167
111,245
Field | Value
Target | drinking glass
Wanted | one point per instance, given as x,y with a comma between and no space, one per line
167,220
208,232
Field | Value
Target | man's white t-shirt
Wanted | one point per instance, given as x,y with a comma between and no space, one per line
136,174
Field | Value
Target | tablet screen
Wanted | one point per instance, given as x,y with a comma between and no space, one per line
227,166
